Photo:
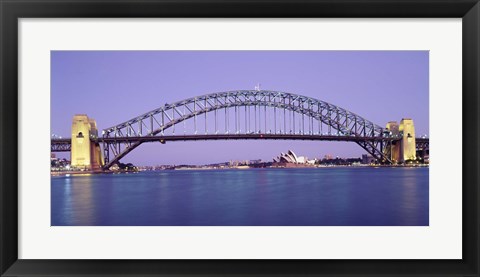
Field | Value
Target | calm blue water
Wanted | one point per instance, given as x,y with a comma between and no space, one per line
251,197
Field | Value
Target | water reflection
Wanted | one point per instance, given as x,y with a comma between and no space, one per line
271,197
77,204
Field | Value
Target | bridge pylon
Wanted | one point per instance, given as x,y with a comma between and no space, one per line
85,150
408,145
404,148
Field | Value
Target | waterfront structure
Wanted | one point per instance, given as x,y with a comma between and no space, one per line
85,151
291,158
247,115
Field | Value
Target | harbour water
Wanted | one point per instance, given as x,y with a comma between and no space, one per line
340,196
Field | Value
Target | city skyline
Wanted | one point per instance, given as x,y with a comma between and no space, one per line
114,86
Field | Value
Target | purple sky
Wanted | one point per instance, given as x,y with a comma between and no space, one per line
114,86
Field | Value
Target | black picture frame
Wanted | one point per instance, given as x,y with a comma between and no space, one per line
11,11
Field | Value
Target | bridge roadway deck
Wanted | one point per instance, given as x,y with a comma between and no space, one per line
166,138
64,144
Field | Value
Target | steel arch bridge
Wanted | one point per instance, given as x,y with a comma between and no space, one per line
245,114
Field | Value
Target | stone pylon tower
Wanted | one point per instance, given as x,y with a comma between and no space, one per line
85,152
405,148
408,149
394,150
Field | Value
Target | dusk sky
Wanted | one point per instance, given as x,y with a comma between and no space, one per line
115,86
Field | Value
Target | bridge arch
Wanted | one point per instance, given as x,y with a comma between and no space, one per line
123,138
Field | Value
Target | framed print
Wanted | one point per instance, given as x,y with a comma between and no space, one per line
256,138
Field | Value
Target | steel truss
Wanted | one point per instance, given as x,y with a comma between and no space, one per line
422,146
60,145
249,104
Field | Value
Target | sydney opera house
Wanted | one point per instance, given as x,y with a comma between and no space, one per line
291,159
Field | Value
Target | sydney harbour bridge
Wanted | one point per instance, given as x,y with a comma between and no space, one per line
246,115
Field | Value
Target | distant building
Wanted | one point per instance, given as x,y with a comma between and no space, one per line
328,157
367,159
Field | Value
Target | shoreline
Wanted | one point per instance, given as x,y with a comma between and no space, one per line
88,173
